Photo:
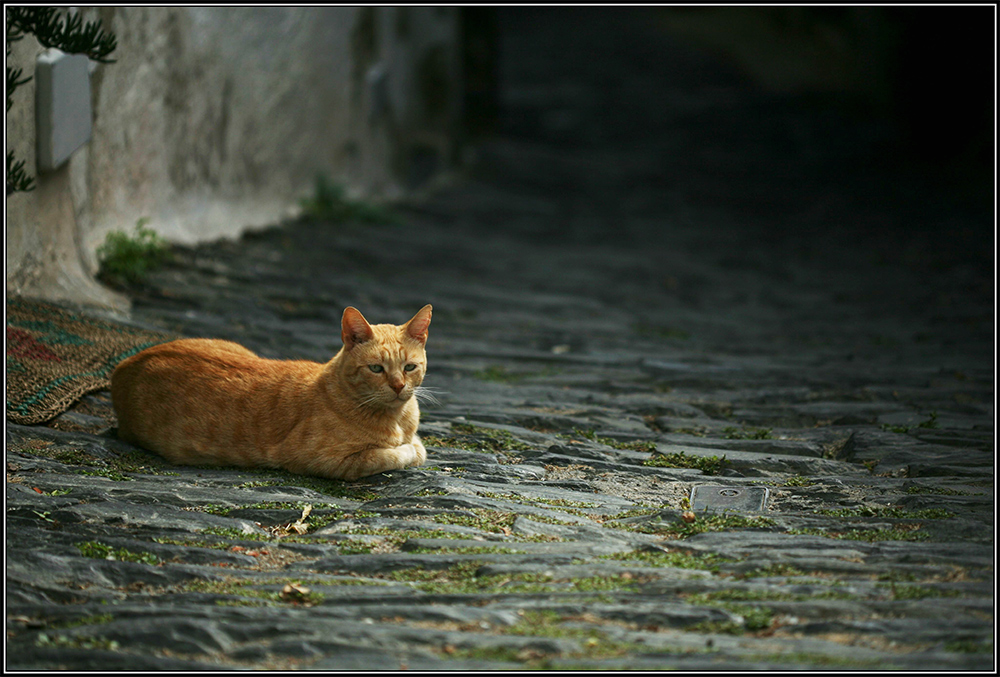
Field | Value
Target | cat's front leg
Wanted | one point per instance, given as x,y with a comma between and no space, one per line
374,461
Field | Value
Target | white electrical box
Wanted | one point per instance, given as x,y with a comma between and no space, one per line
62,106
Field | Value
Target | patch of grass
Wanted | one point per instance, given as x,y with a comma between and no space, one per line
126,260
674,559
595,643
888,511
98,550
747,433
945,491
98,619
631,512
394,538
755,618
703,522
809,660
591,434
902,592
899,533
870,465
110,474
225,510
328,487
470,550
899,429
745,595
462,579
931,421
253,592
476,438
113,467
76,457
192,543
492,654
329,202
556,503
969,646
710,465
798,481
774,569
257,484
718,522
494,521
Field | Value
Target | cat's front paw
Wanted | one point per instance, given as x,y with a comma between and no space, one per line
406,455
421,456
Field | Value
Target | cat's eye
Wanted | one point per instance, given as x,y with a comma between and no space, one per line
377,368
410,367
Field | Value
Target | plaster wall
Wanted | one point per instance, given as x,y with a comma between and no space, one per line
216,120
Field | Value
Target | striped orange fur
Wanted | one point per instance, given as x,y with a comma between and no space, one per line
212,402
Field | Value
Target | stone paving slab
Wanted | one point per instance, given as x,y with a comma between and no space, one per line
620,316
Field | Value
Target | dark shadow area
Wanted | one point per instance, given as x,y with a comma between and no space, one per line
764,110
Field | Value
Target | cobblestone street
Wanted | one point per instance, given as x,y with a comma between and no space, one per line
652,278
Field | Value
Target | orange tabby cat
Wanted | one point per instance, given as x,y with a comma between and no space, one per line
210,402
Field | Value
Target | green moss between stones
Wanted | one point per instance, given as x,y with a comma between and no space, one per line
328,487
193,543
252,592
98,550
676,559
98,619
710,465
747,433
903,592
113,467
476,438
461,579
704,522
923,489
969,646
891,512
494,521
775,569
898,533
591,434
573,507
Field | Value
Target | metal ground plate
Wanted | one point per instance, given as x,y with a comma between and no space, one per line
718,498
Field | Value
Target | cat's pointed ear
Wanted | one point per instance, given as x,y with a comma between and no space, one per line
416,328
354,328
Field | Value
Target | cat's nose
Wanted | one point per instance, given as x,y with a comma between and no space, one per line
398,386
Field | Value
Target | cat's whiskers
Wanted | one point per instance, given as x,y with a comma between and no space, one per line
425,394
373,398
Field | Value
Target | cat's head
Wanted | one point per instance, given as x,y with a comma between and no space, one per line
384,363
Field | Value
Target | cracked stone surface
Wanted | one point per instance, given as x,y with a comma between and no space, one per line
653,279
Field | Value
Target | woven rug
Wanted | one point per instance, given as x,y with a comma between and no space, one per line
55,356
